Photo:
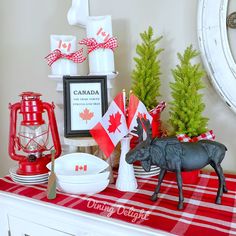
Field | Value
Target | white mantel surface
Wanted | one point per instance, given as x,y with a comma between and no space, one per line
25,216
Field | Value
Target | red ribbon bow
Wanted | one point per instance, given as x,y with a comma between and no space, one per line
185,138
76,57
92,44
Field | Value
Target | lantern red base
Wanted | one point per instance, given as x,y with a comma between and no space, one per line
33,168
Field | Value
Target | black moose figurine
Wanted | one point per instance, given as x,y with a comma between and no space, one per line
171,155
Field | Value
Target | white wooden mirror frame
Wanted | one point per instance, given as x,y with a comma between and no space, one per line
215,48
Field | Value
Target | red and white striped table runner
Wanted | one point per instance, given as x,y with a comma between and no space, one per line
201,216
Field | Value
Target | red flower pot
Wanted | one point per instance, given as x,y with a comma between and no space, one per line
156,124
192,177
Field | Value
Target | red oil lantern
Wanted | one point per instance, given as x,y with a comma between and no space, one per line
31,143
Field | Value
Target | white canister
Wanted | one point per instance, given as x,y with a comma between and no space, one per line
67,45
101,61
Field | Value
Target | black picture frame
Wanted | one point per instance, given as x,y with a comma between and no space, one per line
85,102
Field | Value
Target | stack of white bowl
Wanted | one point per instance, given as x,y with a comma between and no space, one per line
81,173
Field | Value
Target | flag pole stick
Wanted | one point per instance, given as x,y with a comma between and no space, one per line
125,110
124,99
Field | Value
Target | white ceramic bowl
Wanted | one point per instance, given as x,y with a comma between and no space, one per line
83,178
75,164
82,188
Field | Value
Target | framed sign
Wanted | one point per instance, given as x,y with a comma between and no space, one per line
85,102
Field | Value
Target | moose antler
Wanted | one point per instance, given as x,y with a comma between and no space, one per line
138,130
148,128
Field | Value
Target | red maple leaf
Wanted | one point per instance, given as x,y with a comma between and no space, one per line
86,115
114,122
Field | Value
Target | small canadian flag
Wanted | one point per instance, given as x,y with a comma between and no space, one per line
136,109
113,126
81,168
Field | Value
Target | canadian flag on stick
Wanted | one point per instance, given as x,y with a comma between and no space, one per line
112,127
136,109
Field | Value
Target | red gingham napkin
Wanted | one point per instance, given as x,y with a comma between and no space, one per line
185,138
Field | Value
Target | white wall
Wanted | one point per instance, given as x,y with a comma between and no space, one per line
25,27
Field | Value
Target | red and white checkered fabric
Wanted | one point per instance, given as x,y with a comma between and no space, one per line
92,44
201,216
76,57
159,108
185,138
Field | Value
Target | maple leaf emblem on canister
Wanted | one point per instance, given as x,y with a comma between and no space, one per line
114,122
86,115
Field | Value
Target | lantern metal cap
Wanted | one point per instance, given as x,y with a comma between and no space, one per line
30,95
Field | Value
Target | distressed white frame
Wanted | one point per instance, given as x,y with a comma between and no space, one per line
215,48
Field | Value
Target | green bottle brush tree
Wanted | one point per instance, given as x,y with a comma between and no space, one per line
187,106
146,75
